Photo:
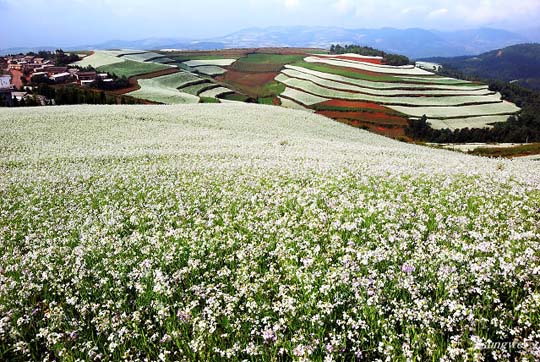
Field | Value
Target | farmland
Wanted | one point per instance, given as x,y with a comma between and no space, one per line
99,59
302,78
247,232
164,89
129,68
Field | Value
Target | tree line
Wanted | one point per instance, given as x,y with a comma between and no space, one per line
521,128
390,59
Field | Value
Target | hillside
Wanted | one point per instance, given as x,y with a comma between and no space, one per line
203,231
364,91
518,63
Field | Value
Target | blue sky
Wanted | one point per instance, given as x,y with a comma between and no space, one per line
79,22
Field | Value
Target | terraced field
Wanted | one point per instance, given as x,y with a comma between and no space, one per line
129,68
256,233
98,59
312,80
164,89
404,91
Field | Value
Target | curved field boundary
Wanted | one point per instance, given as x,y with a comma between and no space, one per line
215,92
381,85
203,62
379,117
143,57
352,57
195,89
369,67
210,70
314,89
332,84
164,90
469,122
445,113
301,97
98,59
130,68
122,52
289,103
355,60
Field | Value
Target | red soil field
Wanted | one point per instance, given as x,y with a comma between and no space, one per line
247,82
397,132
377,117
354,104
247,79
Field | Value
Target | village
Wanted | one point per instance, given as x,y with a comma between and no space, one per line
19,75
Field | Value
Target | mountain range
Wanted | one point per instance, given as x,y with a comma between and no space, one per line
518,64
413,42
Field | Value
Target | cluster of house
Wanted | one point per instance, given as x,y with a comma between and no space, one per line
34,69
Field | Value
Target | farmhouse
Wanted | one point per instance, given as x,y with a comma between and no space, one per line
54,70
432,67
60,77
85,78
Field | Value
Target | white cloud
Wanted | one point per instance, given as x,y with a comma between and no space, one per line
292,4
438,13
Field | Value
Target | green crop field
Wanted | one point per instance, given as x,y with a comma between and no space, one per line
130,68
248,232
198,88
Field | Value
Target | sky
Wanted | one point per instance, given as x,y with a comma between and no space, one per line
27,23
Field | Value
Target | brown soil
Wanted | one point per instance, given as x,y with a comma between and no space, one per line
248,83
378,118
354,104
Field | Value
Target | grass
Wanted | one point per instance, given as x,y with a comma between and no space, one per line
272,89
209,100
266,100
130,68
260,63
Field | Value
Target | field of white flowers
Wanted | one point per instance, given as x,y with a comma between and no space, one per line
245,232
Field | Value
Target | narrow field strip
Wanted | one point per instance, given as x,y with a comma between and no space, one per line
332,84
470,122
98,59
304,98
502,108
216,62
369,67
381,85
215,92
211,70
310,87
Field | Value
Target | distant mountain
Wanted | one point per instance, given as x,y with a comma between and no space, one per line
519,63
415,43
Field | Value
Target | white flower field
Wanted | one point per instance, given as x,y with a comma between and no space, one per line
245,232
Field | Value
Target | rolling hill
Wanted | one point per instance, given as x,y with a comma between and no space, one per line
517,63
